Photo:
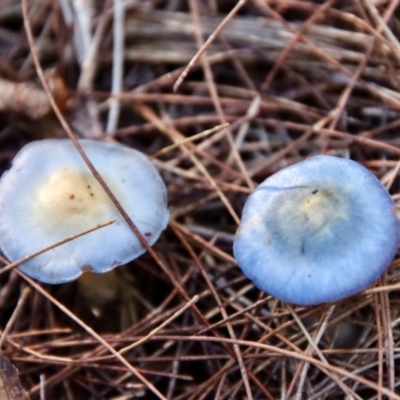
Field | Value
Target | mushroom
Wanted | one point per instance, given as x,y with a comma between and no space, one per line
50,194
317,231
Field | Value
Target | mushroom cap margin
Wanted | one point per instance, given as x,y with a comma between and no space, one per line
23,230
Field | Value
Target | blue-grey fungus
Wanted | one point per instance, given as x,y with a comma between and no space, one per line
50,194
318,231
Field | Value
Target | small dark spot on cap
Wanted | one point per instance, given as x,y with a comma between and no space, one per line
71,196
88,186
147,234
92,194
315,191
87,268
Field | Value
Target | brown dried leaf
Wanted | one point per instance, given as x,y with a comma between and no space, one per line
10,385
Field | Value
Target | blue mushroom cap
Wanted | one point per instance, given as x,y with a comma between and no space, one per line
318,231
50,194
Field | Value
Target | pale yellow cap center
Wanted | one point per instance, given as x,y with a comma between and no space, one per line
73,199
314,211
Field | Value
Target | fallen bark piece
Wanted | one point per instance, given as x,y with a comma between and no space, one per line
10,385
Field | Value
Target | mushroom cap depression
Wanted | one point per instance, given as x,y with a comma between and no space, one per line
50,194
318,231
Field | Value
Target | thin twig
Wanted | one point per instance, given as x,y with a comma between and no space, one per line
94,334
211,38
54,245
118,64
14,316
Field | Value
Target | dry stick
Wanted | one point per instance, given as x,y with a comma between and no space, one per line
385,309
233,297
89,66
228,135
314,346
224,314
211,38
329,132
52,246
176,136
214,95
83,11
301,371
222,310
42,41
342,101
375,131
335,114
40,356
251,114
93,333
277,156
382,26
361,67
273,333
118,64
200,135
324,393
319,52
393,176
264,6
237,314
42,386
169,77
253,108
238,65
178,123
67,371
296,37
14,316
88,60
208,384
270,334
220,386
284,369
274,351
271,103
390,10
40,332
352,83
338,110
203,243
161,326
379,340
388,335
176,362
198,181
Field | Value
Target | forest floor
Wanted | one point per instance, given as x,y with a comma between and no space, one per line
278,81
